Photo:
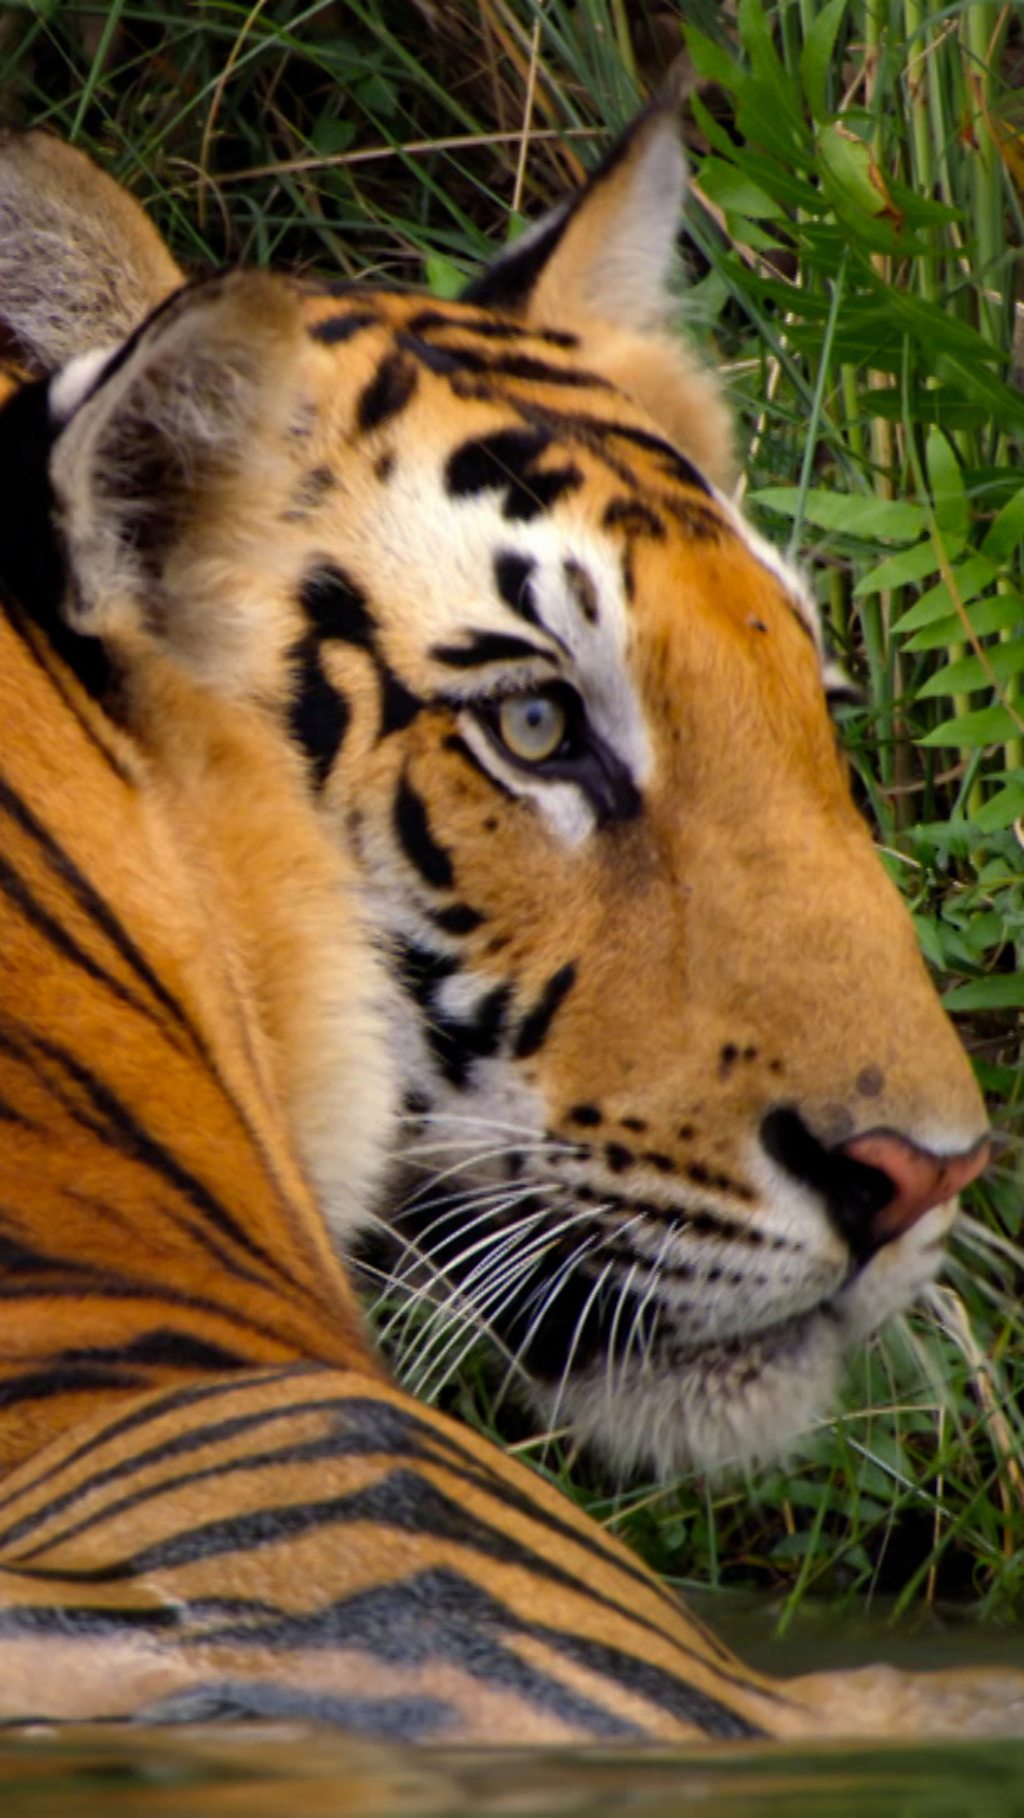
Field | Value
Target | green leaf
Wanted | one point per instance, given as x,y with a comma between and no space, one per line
1002,992
921,211
1001,809
331,135
817,58
445,278
952,513
1006,529
849,173
770,116
1003,403
731,190
1003,613
972,731
887,520
710,60
985,932
901,570
756,38
970,672
779,180
969,579
929,939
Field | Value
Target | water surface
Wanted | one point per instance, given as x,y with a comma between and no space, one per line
292,1775
283,1771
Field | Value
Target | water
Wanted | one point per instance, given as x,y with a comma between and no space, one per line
284,1772
289,1775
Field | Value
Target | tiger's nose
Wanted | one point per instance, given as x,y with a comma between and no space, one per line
919,1178
875,1186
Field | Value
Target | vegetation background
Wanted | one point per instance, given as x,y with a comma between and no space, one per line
853,248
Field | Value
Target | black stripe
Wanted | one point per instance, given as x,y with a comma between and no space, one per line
398,705
309,493
57,671
100,912
10,1115
455,742
17,892
418,843
512,577
21,1259
171,1402
69,1620
33,1051
597,434
387,393
491,330
672,459
335,606
439,1613
535,1025
541,372
161,1348
704,525
399,1719
688,1703
633,517
584,589
197,1439
91,902
498,460
459,919
539,493
456,1042
318,715
72,1379
337,329
460,357
420,971
486,647
402,1501
55,1280
118,1127
368,1427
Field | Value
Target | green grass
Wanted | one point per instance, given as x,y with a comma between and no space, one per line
856,225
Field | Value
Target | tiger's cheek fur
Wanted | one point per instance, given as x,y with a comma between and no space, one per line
613,1011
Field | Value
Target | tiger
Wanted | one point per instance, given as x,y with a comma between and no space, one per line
402,729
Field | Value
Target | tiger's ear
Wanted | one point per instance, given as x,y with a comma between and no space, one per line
601,266
182,431
80,263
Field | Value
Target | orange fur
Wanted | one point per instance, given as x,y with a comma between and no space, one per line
214,1502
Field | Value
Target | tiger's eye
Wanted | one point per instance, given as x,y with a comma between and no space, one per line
532,726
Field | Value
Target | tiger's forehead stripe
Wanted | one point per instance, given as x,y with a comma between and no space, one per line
472,352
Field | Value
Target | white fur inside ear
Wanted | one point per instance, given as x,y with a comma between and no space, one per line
631,274
74,382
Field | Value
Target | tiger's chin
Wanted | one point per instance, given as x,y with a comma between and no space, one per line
738,1406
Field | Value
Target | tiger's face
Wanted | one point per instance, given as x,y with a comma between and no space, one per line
683,1118
652,979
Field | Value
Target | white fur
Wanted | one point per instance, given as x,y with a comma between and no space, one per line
74,382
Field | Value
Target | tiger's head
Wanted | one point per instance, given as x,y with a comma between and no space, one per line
683,1117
